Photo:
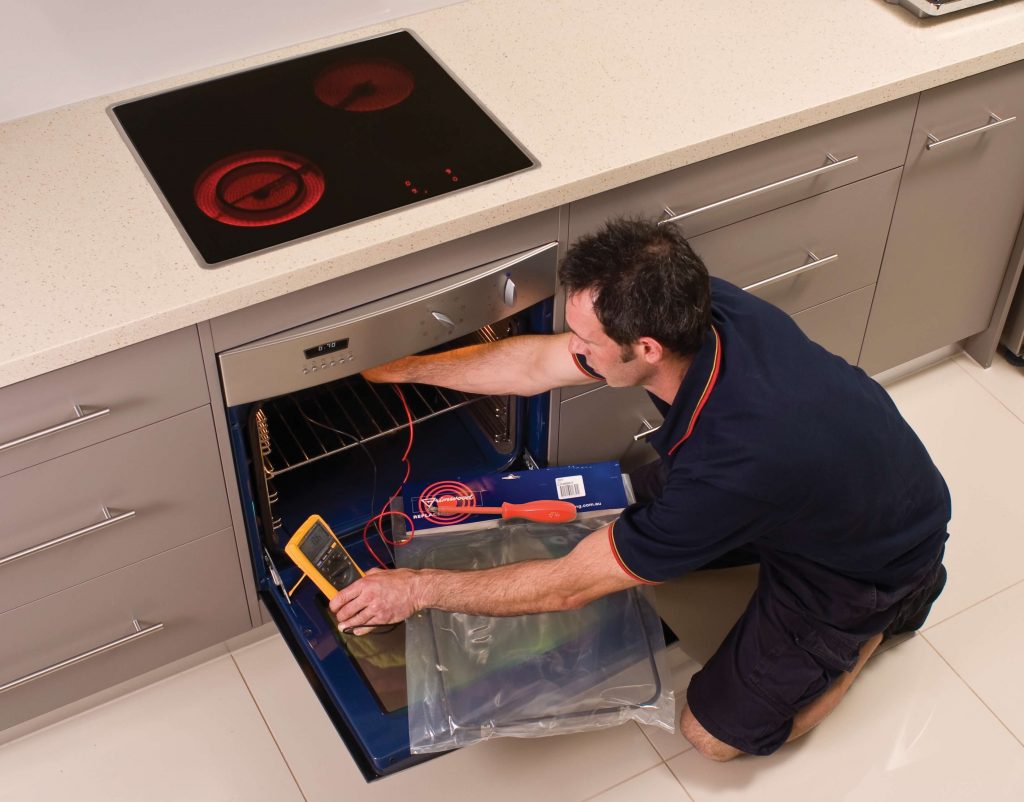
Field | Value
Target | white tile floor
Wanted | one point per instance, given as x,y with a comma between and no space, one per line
939,716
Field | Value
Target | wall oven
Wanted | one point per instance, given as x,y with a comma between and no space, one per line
309,435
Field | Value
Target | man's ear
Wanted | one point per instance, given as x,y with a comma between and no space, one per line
651,351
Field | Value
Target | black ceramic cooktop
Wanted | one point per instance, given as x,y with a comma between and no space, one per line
267,156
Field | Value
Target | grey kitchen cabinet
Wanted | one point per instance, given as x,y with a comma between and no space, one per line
755,179
102,397
808,252
798,244
93,635
112,483
605,424
838,325
101,508
957,216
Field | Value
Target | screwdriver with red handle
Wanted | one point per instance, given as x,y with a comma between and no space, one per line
548,511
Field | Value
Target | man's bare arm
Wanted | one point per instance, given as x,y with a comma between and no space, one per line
588,572
523,365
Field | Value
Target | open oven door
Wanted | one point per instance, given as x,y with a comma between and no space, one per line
309,435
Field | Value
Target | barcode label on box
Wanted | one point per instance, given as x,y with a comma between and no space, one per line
570,487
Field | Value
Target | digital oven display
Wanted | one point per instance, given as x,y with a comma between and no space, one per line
326,348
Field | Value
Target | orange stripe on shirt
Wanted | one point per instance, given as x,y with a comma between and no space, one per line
712,379
582,368
621,562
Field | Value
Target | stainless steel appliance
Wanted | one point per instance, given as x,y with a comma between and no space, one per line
263,157
936,8
309,435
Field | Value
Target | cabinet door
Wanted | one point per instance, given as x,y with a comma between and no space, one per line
838,325
737,185
602,425
83,639
87,402
160,486
809,252
959,206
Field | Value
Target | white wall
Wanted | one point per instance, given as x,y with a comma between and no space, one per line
54,52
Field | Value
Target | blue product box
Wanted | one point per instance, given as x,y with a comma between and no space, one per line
594,487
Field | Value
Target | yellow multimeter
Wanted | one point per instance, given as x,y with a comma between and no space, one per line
320,556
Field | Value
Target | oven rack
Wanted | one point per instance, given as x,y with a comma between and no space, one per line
297,430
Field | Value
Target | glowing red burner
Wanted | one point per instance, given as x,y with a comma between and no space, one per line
259,188
370,84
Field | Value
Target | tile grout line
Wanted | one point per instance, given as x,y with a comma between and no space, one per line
683,751
971,606
976,695
622,782
987,389
640,774
266,724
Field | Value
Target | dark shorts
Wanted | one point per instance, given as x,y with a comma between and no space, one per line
802,630
779,658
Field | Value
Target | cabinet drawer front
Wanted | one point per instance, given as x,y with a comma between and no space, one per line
838,326
167,474
877,137
194,591
844,229
116,393
958,213
603,425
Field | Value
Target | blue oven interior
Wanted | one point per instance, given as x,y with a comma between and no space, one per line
336,450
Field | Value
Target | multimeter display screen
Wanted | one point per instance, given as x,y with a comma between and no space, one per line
315,542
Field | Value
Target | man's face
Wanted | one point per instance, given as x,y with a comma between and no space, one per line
621,365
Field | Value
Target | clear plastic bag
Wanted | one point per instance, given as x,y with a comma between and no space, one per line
472,678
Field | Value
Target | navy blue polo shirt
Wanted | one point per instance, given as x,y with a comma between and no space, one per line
775,444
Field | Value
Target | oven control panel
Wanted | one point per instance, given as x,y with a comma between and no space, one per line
396,326
330,354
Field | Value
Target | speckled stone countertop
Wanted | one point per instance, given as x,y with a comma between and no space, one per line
602,92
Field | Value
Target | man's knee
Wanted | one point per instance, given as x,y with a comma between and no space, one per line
703,741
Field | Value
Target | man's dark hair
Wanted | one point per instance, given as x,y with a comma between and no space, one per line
647,282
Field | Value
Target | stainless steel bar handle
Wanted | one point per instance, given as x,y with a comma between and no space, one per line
140,631
831,163
815,262
110,517
80,417
994,121
649,429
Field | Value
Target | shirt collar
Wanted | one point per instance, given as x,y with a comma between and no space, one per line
693,394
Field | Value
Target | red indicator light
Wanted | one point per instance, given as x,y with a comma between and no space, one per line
408,183
447,170
415,191
455,179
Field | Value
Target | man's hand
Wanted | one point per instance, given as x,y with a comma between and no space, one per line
380,597
391,372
